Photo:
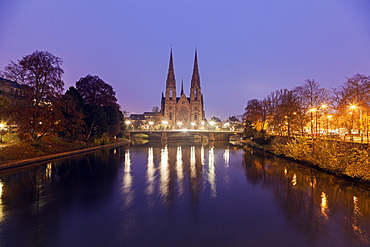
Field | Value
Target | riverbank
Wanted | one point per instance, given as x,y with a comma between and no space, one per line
25,153
344,161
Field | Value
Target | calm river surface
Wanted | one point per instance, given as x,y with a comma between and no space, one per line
180,194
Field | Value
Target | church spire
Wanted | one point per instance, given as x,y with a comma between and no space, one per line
171,72
171,81
182,86
195,79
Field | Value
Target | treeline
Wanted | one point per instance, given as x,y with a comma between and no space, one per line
296,123
88,111
312,109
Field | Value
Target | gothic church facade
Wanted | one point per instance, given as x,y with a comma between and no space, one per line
183,112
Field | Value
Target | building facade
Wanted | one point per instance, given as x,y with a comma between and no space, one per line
180,112
11,89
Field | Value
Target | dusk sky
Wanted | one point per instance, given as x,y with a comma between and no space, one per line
246,48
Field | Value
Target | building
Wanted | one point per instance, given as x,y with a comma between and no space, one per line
183,112
11,89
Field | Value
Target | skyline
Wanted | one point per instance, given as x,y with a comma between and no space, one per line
245,49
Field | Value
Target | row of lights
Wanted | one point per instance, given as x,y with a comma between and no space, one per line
212,123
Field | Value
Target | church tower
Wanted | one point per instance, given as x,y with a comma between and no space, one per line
169,101
183,112
196,97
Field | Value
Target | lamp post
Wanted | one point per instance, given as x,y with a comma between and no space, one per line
328,118
353,107
212,123
164,122
151,125
1,132
127,124
312,110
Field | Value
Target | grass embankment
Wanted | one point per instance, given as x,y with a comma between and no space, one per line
343,159
16,151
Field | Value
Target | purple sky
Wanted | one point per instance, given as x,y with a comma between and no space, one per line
246,48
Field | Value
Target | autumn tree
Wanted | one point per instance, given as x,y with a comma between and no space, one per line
352,102
41,73
313,103
256,112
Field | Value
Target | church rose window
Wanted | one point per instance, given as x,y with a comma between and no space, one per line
183,113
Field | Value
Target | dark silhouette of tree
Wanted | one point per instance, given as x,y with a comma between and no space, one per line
72,109
96,121
95,91
114,120
100,107
38,113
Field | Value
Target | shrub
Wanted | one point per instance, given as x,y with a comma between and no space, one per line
358,164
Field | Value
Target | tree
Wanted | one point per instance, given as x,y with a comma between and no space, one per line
352,102
95,91
100,106
312,98
256,111
96,121
72,109
41,73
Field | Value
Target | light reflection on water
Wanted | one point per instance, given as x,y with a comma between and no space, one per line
180,194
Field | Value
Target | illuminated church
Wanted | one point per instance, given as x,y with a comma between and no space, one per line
183,112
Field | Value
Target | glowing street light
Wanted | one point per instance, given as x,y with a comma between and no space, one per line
352,107
151,124
1,132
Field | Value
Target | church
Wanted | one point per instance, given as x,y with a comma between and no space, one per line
183,112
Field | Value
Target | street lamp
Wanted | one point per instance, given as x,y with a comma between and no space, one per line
353,107
1,132
312,110
212,123
128,124
179,124
328,118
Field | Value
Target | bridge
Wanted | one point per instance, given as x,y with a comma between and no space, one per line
185,134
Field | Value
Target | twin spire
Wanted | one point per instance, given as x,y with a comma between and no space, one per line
195,79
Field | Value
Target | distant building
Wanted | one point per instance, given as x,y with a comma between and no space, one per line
182,111
233,123
11,89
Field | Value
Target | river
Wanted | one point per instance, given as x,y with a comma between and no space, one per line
180,194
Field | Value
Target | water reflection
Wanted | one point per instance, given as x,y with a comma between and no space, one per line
1,201
312,201
127,179
165,173
324,205
193,171
212,171
178,194
150,172
179,169
226,157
